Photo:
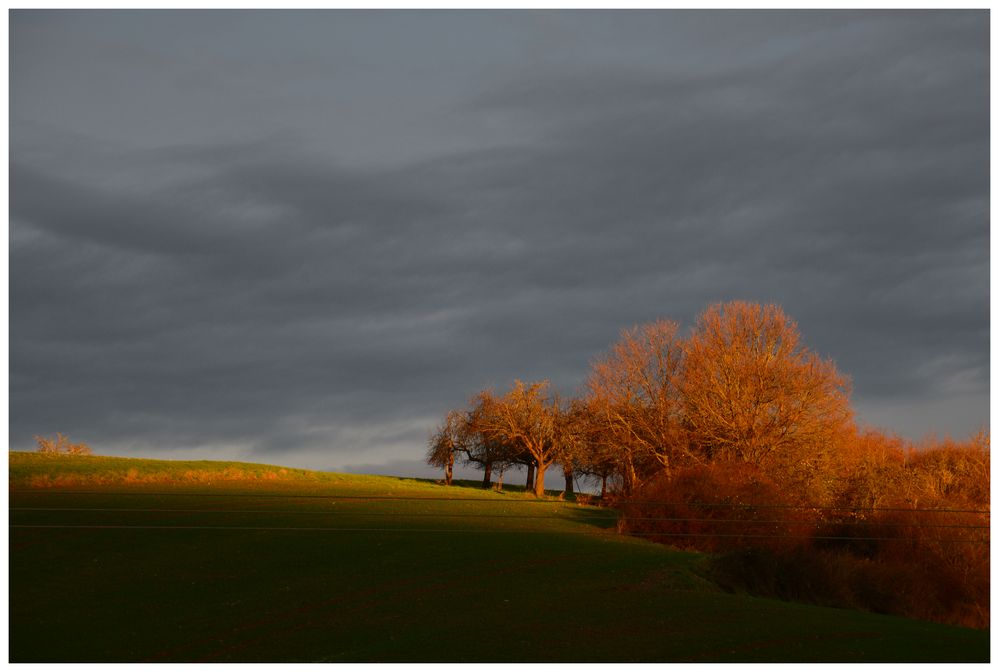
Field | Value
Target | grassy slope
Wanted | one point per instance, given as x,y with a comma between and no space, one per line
495,577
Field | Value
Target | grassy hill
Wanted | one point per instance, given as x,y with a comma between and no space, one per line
115,559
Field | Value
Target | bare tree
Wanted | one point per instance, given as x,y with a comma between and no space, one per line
488,454
753,392
446,442
525,419
60,445
633,397
460,437
571,428
597,457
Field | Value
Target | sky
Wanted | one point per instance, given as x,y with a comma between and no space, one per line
300,237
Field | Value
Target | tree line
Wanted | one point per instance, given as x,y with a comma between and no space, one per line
738,439
741,386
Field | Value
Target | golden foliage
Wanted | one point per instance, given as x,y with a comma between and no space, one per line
60,445
445,442
752,391
526,418
634,400
740,437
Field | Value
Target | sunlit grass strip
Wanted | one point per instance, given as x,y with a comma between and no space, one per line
323,512
499,498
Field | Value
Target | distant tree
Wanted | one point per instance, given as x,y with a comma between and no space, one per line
597,458
953,471
525,418
571,429
446,442
60,445
464,436
500,470
487,453
633,398
476,448
751,391
601,468
872,472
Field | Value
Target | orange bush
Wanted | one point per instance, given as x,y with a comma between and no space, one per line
904,531
60,445
717,506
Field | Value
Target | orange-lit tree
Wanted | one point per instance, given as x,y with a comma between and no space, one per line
633,399
459,437
446,442
872,472
953,471
571,428
485,450
751,391
60,445
526,419
596,458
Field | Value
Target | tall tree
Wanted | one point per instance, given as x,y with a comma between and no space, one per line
571,427
524,418
597,457
753,392
486,452
446,441
633,396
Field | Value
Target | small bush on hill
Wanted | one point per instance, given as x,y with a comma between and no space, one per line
60,445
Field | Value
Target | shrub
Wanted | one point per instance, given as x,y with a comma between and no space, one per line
926,588
60,445
908,532
715,507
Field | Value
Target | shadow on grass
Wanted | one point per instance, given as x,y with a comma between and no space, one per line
582,508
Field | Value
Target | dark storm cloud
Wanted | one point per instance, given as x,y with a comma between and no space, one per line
243,285
861,177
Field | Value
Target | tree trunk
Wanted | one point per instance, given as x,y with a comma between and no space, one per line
603,486
629,478
449,470
499,480
539,480
530,477
487,477
569,490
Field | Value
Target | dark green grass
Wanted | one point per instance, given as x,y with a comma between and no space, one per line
491,577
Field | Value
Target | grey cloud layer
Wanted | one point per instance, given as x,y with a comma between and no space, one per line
257,289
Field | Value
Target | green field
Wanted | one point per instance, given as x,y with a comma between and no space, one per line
140,560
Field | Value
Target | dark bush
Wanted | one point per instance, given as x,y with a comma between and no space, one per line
837,578
914,544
